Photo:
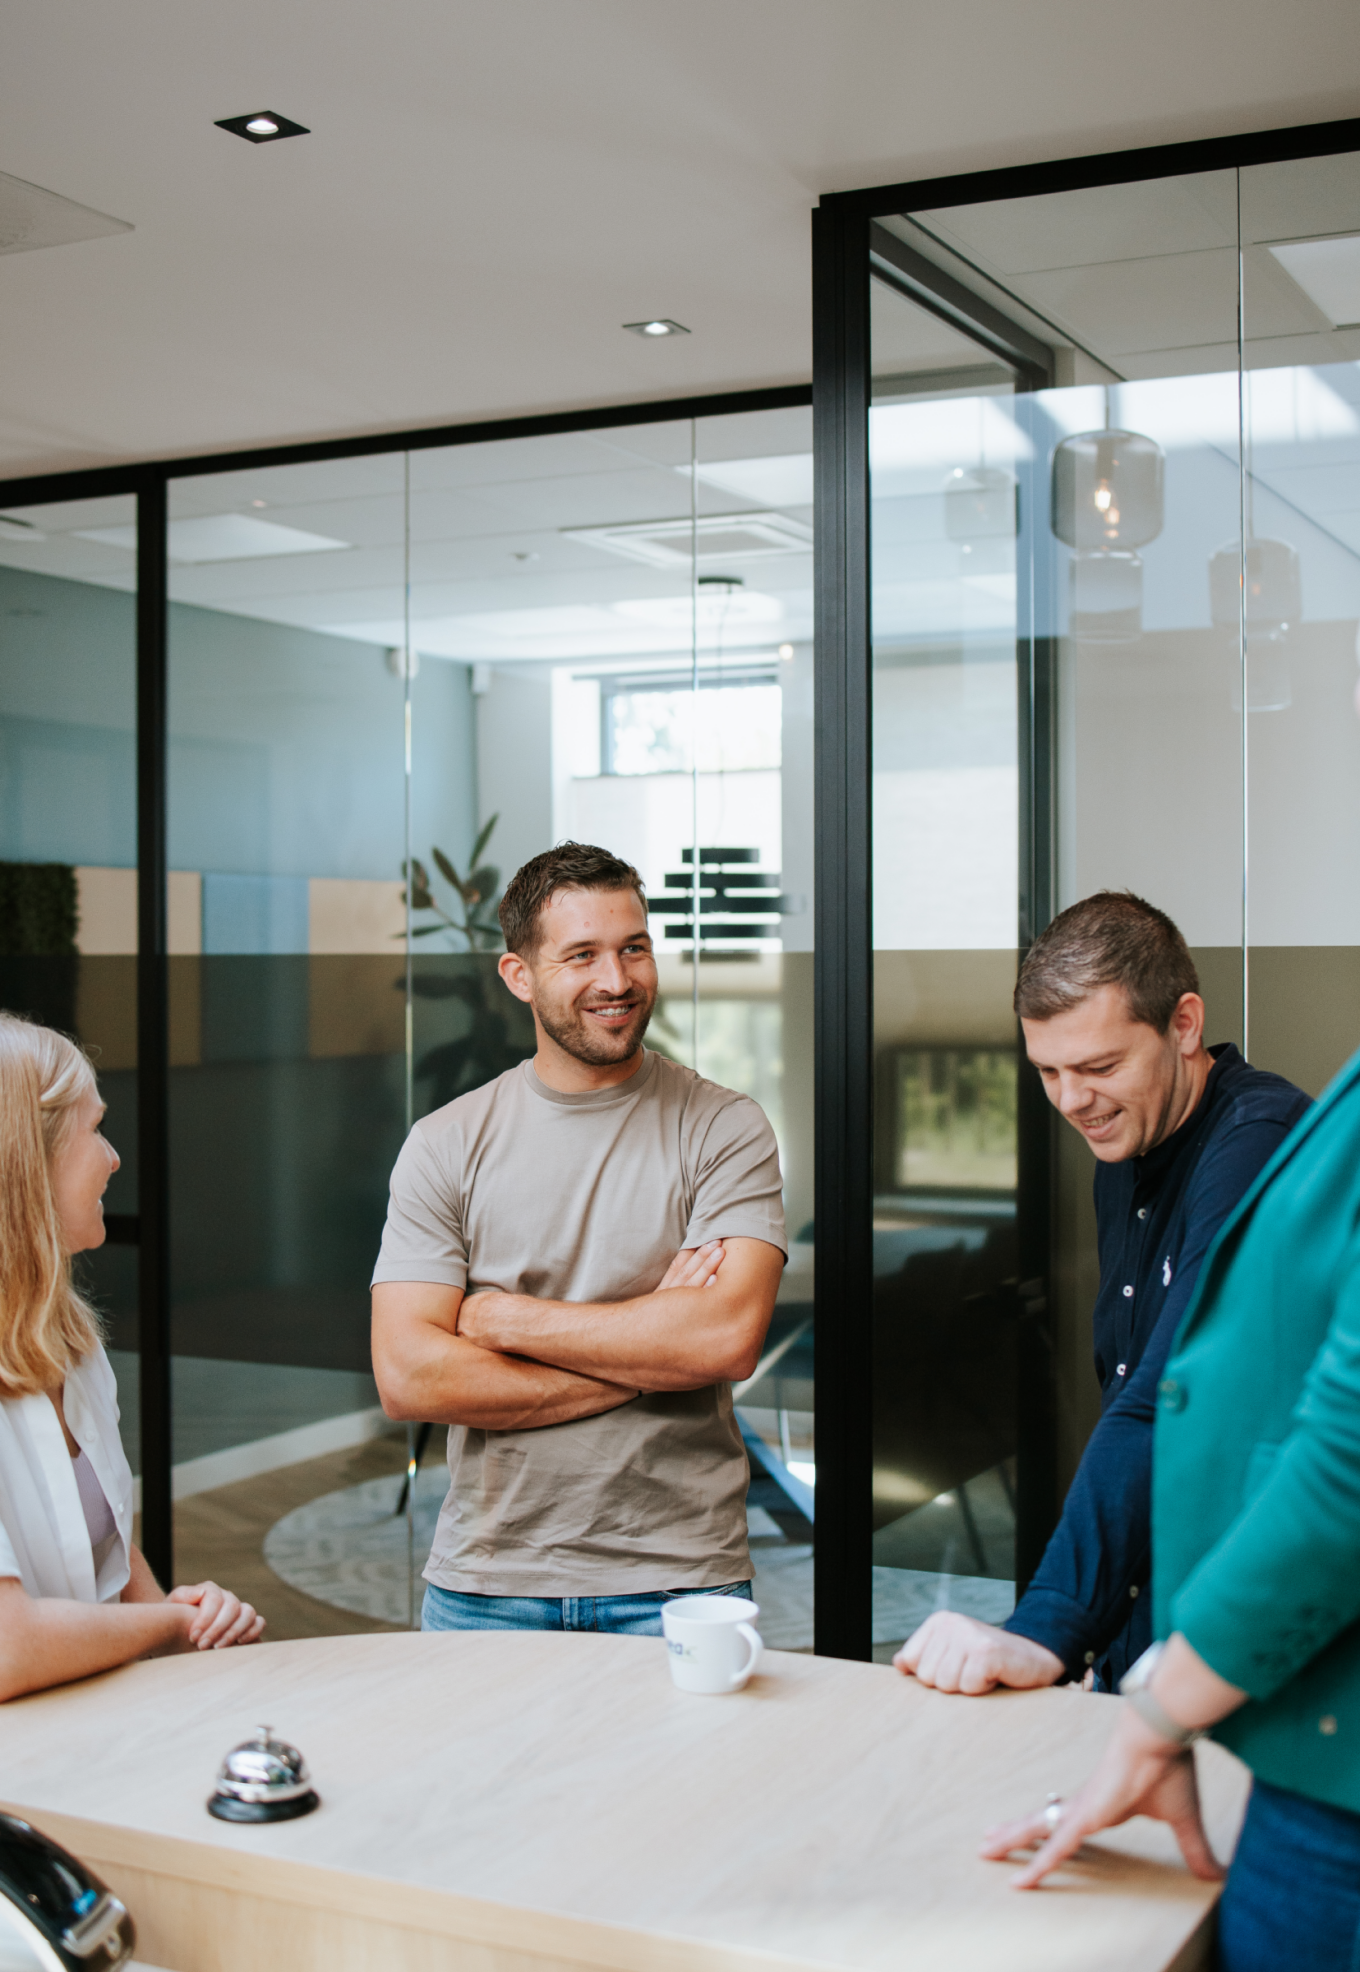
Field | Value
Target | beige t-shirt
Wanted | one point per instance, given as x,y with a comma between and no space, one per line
587,1198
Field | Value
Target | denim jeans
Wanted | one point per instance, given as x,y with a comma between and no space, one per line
1293,1893
614,1615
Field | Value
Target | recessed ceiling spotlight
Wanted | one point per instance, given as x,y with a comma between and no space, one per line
262,127
786,652
660,325
259,503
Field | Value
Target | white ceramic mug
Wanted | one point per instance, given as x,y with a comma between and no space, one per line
711,1642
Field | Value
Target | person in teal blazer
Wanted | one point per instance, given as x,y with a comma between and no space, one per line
1256,1567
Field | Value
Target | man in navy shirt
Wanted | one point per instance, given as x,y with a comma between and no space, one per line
1113,1020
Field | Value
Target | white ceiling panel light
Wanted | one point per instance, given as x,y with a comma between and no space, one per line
784,481
1328,271
721,537
222,537
658,326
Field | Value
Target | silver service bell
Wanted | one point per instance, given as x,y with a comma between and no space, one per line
263,1779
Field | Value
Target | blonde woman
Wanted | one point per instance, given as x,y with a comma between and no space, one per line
75,1595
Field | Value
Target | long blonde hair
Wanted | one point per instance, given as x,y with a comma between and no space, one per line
46,1327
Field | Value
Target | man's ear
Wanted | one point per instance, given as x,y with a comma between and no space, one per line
515,973
1187,1023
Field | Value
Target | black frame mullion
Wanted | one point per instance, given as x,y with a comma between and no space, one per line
1038,1501
1105,168
153,1030
92,482
843,962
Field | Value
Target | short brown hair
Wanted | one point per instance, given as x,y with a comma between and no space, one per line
1110,939
570,866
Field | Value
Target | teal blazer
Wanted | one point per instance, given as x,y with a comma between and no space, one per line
1256,1473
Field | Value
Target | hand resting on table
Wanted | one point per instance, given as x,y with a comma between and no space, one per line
957,1653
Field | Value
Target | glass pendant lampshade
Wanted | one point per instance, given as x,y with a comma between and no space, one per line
1107,494
1105,597
1107,490
1274,590
1274,601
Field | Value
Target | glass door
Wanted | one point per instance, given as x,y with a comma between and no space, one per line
1150,497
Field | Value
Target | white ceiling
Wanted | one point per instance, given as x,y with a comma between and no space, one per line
1145,276
490,190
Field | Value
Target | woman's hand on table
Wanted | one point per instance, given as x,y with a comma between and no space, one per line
220,1620
1140,1773
956,1653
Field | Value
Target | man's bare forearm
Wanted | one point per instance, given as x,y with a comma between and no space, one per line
429,1374
513,1393
677,1338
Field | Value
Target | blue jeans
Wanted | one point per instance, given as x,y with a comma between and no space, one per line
613,1615
1293,1893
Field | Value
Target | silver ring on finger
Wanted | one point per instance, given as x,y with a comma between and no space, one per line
1053,1813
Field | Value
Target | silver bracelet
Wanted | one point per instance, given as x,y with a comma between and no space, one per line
1134,1686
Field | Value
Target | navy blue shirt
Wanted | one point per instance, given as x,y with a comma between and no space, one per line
1156,1217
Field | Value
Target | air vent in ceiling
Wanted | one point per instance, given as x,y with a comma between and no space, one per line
31,217
721,537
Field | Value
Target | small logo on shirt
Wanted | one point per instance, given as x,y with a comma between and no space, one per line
1166,1271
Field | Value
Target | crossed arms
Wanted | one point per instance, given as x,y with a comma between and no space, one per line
504,1362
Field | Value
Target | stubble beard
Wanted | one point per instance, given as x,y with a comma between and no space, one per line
596,1050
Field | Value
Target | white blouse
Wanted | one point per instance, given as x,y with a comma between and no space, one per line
44,1535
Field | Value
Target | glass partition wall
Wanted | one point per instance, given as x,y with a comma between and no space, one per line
1085,462
438,661
1113,464
68,837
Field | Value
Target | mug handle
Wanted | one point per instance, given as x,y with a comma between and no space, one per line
757,1649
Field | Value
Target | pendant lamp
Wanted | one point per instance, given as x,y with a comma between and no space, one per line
1108,501
1274,602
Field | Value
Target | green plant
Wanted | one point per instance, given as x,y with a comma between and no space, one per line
476,894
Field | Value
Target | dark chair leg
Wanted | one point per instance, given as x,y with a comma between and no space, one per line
422,1440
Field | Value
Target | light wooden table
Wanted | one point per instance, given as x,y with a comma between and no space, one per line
517,1803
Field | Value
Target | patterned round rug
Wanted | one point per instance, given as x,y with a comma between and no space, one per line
352,1550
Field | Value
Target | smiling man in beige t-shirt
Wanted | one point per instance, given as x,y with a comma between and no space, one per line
578,1259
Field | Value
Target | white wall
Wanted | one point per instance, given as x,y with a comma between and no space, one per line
514,718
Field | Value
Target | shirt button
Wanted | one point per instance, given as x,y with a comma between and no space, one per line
1327,1725
1133,1593
1128,1294
1142,1211
1122,1370
1172,1393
